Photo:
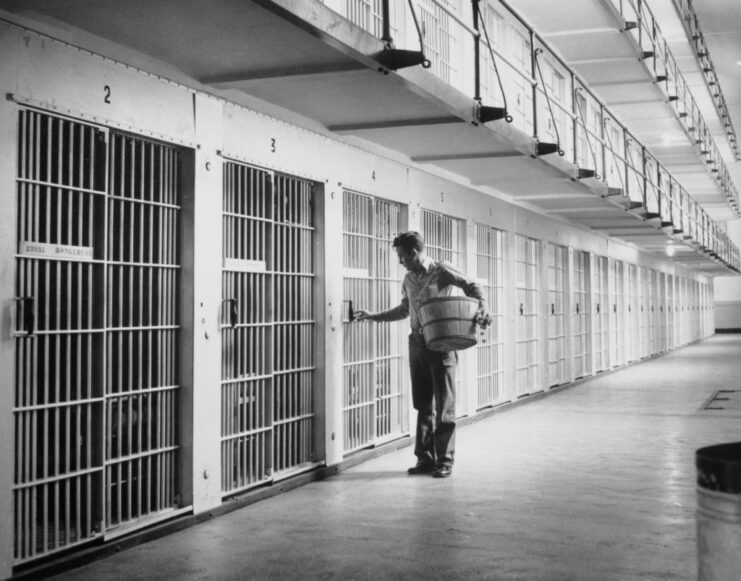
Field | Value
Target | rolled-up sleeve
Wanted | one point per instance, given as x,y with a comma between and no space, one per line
397,313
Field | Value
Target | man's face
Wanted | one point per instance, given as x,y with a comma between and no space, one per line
410,260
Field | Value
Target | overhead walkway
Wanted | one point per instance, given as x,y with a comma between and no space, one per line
595,482
436,87
619,49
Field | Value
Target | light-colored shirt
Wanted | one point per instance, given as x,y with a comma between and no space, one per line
436,279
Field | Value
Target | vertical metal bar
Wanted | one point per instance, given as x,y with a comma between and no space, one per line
476,53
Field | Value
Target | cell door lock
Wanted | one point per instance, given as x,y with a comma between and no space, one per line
25,316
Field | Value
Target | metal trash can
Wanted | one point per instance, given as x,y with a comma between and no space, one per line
719,512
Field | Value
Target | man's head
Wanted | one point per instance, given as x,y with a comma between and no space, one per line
410,248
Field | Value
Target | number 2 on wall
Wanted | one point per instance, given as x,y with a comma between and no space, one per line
107,94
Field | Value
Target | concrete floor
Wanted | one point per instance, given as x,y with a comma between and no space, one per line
593,483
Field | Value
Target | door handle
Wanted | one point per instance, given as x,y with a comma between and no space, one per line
233,311
27,316
350,311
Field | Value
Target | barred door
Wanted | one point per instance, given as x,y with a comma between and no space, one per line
495,27
143,338
557,268
582,327
669,310
661,311
644,311
438,37
490,349
600,316
268,327
528,340
368,14
653,311
632,306
373,401
97,334
617,291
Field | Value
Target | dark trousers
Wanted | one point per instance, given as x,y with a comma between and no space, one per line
433,396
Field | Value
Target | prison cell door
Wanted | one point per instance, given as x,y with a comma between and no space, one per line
653,330
495,26
600,314
707,310
143,332
617,310
519,79
445,240
632,332
644,311
678,315
669,310
581,318
268,392
661,310
557,267
489,350
97,334
695,310
373,394
438,38
528,339
368,14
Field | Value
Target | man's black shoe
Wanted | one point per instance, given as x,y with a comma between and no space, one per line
443,471
421,469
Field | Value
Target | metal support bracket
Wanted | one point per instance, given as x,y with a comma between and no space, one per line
485,114
543,148
396,58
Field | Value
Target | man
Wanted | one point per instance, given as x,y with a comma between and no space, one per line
432,372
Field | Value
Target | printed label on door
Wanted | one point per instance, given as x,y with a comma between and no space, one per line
242,265
63,251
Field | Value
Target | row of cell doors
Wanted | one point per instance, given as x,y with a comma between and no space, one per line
97,406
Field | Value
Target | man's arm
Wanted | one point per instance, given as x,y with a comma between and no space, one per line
397,313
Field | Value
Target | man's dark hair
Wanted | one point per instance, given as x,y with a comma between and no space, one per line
409,241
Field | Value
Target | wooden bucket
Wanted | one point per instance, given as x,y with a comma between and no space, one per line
448,323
